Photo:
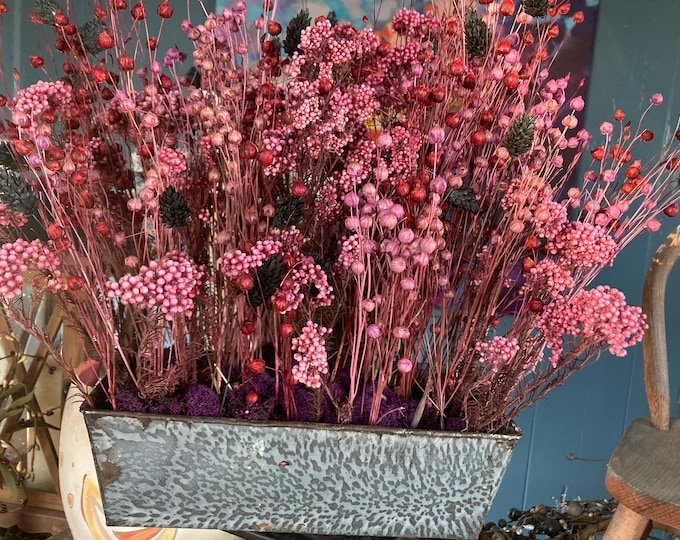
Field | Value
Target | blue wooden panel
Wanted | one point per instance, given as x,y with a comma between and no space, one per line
637,53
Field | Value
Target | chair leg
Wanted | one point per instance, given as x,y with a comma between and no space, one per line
626,525
647,531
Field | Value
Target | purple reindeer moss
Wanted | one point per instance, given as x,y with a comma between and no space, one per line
311,405
200,400
174,404
238,408
127,399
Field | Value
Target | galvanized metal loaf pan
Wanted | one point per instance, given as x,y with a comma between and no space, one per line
175,471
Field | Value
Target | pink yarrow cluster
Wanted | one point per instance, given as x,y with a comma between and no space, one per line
583,245
18,257
592,316
303,274
236,262
170,285
498,352
310,355
43,96
550,277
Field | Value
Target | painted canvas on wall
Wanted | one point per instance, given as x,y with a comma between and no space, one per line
354,11
576,39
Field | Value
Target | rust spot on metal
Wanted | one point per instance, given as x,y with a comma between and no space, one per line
262,527
145,421
109,473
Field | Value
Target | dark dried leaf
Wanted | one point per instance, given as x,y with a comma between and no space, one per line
288,213
174,209
267,281
477,36
16,194
520,136
89,34
463,198
46,10
294,31
536,8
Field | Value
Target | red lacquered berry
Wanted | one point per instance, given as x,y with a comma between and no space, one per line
138,11
671,210
478,138
647,135
273,28
125,63
536,305
164,10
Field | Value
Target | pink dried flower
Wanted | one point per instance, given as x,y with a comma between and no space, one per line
596,316
404,365
577,103
436,135
169,285
583,245
373,331
656,99
310,355
20,256
498,352
606,128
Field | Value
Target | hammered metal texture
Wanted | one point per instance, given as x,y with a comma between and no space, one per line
318,479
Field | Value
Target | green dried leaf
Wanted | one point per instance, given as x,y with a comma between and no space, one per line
11,390
520,136
35,423
288,213
477,35
9,480
294,31
16,194
267,281
20,402
463,198
174,209
89,34
536,8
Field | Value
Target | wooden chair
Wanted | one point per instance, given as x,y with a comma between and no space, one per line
643,473
37,510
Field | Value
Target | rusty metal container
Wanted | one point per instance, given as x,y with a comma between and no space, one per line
174,471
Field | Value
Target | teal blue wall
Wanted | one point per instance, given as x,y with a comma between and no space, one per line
637,53
21,38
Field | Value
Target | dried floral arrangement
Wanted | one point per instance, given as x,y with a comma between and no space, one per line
319,225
